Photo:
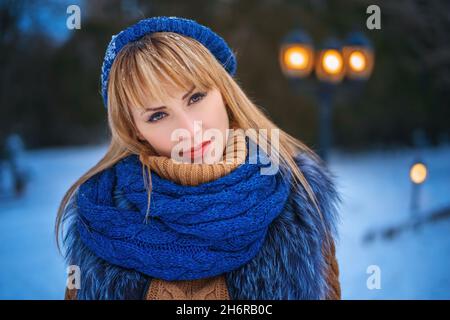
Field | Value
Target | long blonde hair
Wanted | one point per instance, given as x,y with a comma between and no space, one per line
164,57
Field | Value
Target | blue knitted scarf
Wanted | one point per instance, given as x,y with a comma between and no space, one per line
193,231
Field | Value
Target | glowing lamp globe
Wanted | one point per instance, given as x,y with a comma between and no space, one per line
296,55
359,57
330,66
418,173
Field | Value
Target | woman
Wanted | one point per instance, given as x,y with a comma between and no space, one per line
188,202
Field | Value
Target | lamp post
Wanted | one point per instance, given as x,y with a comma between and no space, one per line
418,173
330,71
332,64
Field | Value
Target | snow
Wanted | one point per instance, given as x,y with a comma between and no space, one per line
31,267
376,192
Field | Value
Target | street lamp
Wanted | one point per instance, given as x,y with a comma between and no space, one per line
418,173
330,67
332,64
359,56
296,55
330,71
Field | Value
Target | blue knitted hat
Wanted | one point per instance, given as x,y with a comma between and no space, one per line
187,27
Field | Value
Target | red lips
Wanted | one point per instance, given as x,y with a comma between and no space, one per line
200,146
199,149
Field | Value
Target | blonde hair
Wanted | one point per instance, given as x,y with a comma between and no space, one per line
165,57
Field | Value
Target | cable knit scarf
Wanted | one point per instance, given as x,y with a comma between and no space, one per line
193,232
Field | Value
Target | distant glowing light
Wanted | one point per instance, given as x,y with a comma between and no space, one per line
297,58
357,61
332,61
418,173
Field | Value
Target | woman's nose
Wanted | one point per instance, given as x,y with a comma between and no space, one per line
193,126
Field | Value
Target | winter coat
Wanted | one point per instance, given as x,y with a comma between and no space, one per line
293,262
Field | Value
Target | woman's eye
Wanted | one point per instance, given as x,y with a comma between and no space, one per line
156,116
197,97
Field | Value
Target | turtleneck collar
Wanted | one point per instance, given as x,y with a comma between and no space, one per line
193,174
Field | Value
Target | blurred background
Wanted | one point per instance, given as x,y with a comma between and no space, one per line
384,132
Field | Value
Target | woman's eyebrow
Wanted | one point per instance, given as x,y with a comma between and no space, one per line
187,93
162,107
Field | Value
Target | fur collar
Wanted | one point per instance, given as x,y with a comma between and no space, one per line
290,265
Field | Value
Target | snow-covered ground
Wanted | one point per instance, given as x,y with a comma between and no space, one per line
376,192
30,265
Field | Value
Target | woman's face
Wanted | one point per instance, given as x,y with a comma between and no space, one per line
193,119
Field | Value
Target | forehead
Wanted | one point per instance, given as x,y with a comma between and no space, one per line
165,94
